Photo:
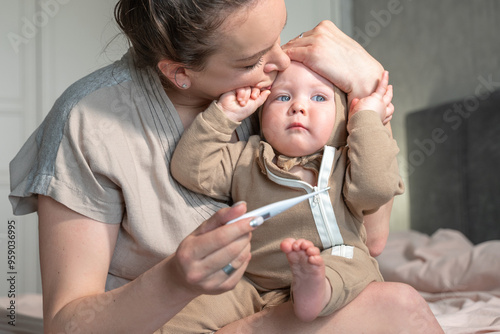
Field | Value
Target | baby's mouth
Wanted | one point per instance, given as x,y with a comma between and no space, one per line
296,125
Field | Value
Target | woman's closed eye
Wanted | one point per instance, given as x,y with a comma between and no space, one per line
257,64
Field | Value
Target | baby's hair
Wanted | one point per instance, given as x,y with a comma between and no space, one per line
183,31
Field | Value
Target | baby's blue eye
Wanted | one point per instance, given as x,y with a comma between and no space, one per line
283,98
318,98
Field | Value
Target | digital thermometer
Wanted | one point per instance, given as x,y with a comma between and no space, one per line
273,209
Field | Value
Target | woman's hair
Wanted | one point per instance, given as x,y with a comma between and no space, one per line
183,31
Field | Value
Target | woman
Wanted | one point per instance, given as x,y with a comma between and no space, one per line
117,250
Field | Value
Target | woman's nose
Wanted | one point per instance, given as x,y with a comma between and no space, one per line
278,60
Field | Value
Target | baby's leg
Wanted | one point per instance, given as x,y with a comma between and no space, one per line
311,289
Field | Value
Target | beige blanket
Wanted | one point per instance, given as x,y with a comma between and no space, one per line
459,280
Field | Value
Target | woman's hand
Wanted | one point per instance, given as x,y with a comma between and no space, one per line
201,256
337,57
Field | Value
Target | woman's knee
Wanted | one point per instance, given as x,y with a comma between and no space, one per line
386,307
407,303
395,298
406,297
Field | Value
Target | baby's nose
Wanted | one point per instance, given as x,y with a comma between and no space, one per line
298,107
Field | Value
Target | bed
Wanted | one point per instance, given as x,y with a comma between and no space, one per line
459,280
452,252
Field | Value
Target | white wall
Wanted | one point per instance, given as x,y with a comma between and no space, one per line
45,46
436,52
304,15
17,118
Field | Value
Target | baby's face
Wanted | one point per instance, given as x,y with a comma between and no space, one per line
299,115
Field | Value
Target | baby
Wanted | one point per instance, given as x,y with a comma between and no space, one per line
317,249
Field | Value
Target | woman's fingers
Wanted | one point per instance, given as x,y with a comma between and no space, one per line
299,49
220,271
228,265
234,251
221,217
203,254
337,57
216,235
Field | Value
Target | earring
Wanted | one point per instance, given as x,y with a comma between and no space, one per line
184,85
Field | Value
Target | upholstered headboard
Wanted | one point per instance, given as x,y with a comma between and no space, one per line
454,166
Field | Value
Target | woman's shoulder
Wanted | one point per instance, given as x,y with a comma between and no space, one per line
109,95
111,75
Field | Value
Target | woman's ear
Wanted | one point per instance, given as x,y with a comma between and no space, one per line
175,72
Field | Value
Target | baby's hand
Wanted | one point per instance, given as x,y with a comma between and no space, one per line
242,102
379,101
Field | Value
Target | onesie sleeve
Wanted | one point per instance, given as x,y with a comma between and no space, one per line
204,159
372,175
64,160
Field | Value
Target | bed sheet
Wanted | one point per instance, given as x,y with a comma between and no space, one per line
459,280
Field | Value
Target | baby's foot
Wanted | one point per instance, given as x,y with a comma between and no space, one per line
311,289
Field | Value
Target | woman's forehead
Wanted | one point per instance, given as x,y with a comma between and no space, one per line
251,32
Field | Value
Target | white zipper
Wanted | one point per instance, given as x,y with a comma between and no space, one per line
325,221
328,214
290,182
328,229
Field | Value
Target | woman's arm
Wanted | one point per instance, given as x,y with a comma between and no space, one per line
75,253
337,57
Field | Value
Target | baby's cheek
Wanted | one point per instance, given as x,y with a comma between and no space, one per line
270,133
